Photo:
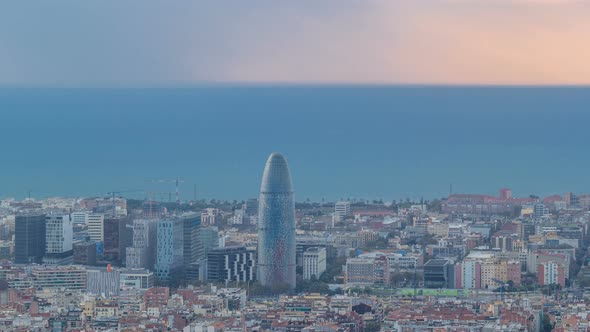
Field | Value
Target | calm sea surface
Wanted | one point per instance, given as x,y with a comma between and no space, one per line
340,141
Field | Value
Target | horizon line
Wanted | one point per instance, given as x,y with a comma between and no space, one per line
241,84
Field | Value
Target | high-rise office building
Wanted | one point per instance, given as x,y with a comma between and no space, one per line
196,271
118,235
551,273
209,240
231,264
314,262
95,223
84,253
191,226
29,238
142,253
169,258
59,234
276,225
125,238
111,239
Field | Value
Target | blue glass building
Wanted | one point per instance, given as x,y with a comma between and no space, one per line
170,247
276,226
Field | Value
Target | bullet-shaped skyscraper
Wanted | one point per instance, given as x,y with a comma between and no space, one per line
276,226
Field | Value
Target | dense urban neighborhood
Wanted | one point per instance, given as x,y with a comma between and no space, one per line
462,263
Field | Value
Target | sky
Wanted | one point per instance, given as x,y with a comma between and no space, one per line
166,43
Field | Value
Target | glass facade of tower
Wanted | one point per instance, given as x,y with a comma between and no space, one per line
276,226
170,247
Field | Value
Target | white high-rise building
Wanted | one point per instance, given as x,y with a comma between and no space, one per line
549,273
471,271
59,233
342,209
314,262
95,223
210,217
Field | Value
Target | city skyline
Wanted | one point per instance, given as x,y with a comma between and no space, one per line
425,165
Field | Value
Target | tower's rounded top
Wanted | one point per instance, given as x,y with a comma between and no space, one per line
276,177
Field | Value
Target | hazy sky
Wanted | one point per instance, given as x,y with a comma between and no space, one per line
139,42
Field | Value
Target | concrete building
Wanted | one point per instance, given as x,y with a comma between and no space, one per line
367,271
438,229
84,253
303,244
367,236
503,240
481,204
29,238
478,269
488,274
142,253
59,233
95,223
231,264
210,217
540,210
551,273
509,270
59,277
471,274
536,258
80,217
314,262
342,210
139,279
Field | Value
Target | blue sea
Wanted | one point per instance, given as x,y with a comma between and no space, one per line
388,142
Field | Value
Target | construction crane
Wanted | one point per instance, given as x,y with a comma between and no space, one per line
113,193
177,181
151,196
